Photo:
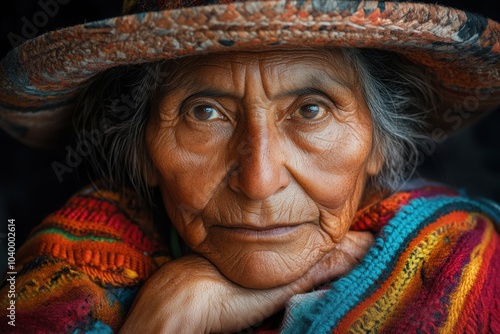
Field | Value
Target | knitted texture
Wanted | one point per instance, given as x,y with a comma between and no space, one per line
82,267
434,267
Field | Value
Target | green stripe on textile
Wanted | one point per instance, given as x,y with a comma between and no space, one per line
72,237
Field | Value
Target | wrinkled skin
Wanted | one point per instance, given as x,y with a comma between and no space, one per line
190,295
262,160
257,188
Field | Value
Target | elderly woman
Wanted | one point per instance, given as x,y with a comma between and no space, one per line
252,160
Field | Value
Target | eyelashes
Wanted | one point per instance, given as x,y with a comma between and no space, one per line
303,109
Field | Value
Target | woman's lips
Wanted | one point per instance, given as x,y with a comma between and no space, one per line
258,233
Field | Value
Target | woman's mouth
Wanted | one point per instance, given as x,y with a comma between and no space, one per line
249,232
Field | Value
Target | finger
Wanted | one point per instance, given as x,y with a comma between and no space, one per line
347,254
338,262
356,244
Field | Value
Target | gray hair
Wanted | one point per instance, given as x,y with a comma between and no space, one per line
400,99
118,103
114,107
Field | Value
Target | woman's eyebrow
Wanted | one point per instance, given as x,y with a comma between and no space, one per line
317,86
215,93
210,92
299,92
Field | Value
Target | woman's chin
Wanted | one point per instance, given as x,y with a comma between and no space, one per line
261,271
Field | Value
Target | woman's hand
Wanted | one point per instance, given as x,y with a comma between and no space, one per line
190,295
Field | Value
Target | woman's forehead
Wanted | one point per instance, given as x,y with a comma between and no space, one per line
278,69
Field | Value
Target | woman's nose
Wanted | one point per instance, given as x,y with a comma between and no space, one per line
260,171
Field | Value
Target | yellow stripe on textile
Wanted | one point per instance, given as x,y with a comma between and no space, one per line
467,281
382,308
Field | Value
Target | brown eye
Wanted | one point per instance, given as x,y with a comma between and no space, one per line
205,113
309,111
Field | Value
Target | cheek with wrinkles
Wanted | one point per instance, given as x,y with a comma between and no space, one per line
337,147
194,234
335,171
192,177
333,226
205,186
185,216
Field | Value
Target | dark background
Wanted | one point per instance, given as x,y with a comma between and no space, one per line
29,188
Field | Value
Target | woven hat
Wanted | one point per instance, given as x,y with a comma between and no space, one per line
40,79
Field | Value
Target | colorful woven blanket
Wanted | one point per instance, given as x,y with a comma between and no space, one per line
434,268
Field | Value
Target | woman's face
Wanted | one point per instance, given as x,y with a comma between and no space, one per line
262,158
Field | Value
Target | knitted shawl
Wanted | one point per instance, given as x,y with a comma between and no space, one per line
434,268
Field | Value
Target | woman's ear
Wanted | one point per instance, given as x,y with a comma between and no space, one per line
375,162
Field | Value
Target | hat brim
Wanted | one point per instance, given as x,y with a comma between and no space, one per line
41,78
